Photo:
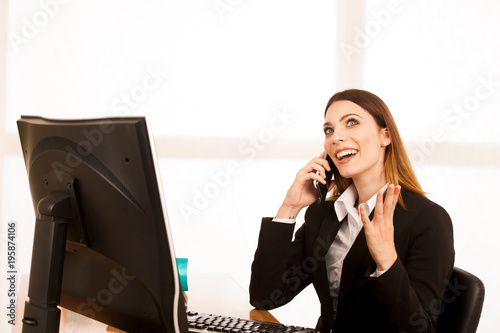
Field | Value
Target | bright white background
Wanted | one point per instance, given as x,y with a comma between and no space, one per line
237,104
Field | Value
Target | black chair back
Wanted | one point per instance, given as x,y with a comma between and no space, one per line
462,303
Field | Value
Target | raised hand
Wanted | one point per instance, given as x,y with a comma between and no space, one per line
380,231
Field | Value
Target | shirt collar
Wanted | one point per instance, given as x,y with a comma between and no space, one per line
345,203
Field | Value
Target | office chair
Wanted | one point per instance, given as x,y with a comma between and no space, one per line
462,303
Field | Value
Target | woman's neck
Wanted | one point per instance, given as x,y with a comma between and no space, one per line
367,188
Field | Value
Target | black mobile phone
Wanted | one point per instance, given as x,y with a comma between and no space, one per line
323,188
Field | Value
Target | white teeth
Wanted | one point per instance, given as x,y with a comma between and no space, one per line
346,152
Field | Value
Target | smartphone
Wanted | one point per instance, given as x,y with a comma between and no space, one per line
323,188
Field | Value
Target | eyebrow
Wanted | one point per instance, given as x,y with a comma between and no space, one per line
342,118
348,115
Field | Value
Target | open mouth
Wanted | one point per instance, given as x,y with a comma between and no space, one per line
346,153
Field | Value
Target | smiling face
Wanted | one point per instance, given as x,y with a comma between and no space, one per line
355,142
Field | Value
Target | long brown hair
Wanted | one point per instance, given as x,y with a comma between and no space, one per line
398,169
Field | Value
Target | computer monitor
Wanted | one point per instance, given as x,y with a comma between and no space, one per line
102,244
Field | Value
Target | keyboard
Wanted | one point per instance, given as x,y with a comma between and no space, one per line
214,323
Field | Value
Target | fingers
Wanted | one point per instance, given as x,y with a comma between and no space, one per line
397,191
379,206
317,167
364,216
380,231
302,192
321,160
391,200
384,208
314,176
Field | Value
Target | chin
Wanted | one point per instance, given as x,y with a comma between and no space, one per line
348,174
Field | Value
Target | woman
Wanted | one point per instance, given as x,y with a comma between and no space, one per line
378,252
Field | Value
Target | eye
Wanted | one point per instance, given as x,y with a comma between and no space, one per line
352,122
328,130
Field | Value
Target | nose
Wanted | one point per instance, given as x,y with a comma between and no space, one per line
338,136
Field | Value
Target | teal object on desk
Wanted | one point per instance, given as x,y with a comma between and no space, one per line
182,265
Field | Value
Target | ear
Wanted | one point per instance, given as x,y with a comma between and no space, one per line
385,137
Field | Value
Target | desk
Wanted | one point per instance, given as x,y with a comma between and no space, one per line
220,294
215,293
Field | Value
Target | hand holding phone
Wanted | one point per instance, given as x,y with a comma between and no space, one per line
323,188
303,192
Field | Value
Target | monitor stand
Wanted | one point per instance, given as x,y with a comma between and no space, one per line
56,211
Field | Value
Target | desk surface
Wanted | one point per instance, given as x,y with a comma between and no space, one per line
208,293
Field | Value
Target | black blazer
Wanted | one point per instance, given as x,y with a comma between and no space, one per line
406,298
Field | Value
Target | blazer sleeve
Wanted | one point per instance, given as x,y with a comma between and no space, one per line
277,273
410,291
